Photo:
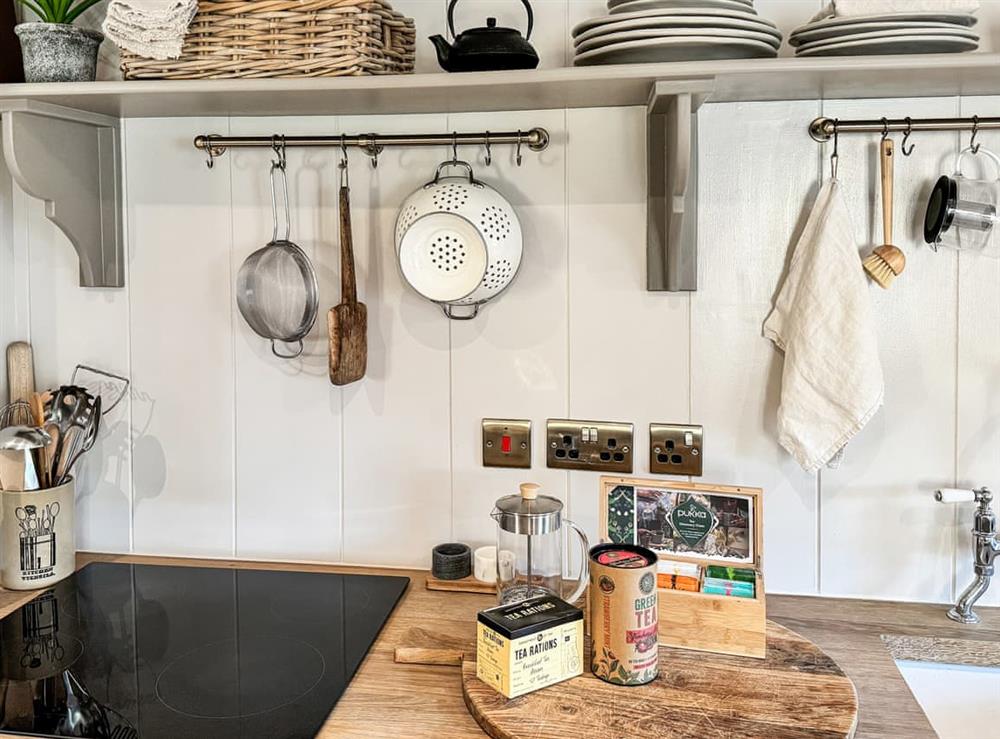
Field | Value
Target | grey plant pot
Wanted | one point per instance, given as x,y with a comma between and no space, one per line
57,52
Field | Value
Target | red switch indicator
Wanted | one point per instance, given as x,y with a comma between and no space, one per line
505,444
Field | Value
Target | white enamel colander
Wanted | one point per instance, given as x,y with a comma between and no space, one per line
458,241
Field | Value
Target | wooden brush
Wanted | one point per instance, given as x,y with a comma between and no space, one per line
886,262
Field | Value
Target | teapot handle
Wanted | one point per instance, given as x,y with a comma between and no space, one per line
525,3
982,150
583,578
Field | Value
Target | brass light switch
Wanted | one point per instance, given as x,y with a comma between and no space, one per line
506,443
675,449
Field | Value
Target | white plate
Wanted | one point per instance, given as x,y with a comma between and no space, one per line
614,38
629,6
678,13
960,19
442,256
933,33
810,35
897,45
675,50
715,23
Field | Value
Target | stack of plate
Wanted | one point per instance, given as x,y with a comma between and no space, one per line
637,31
896,33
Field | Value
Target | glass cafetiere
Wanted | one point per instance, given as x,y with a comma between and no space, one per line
962,211
530,547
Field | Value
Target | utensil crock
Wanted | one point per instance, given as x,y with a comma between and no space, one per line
37,537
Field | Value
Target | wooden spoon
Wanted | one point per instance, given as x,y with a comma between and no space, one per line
348,321
886,261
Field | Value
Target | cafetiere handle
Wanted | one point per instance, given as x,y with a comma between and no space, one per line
582,578
525,3
982,150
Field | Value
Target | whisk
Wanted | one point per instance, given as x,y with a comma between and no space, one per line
17,413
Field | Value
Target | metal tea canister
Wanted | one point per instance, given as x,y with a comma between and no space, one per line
623,614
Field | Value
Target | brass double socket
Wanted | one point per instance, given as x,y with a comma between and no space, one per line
603,446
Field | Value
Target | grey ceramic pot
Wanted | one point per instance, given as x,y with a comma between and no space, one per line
57,52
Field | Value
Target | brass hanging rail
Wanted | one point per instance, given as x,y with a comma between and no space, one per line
823,129
536,139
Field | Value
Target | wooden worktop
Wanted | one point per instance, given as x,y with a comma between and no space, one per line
395,700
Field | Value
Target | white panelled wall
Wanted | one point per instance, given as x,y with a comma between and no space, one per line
223,450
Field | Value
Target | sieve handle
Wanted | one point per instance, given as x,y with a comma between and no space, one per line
449,310
275,352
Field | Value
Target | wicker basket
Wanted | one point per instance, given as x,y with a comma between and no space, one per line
286,38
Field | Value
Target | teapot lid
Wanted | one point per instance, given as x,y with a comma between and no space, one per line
529,512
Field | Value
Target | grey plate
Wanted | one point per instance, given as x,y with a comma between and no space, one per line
626,6
613,38
929,34
711,24
898,45
685,49
660,14
810,35
960,19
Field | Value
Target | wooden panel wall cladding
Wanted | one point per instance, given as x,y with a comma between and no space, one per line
224,450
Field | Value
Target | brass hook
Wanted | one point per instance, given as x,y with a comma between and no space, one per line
373,149
906,136
885,128
278,145
489,152
212,150
345,180
518,155
454,146
834,157
973,146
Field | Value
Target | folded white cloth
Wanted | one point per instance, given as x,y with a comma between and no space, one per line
150,28
822,320
853,8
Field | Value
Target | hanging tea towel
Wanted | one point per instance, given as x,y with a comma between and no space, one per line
822,320
154,29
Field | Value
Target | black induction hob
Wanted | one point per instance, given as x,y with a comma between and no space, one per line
124,651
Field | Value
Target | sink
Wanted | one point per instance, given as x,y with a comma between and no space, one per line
960,701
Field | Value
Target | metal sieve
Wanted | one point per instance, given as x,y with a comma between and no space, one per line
276,288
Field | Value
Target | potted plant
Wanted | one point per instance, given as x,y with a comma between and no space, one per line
54,50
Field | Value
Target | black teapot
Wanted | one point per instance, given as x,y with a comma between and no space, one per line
486,48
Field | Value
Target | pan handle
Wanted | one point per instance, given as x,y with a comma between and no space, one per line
449,310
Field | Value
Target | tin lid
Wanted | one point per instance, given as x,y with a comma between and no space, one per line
529,512
530,616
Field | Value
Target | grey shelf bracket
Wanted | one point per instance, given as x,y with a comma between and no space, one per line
71,160
672,197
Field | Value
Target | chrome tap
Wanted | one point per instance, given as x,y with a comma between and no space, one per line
985,548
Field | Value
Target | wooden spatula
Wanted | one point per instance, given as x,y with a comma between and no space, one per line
347,322
20,372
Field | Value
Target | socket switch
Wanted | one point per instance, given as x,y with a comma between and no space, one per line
506,443
589,445
675,449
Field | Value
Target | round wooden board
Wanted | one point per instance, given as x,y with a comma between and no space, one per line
796,691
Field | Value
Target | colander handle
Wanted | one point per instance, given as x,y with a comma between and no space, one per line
455,163
449,310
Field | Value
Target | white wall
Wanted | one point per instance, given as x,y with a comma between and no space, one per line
226,451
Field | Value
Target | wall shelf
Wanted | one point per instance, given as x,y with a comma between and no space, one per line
921,75
87,114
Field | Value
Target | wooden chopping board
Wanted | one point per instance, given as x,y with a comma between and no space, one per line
796,691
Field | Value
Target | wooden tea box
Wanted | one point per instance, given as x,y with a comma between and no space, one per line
701,524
